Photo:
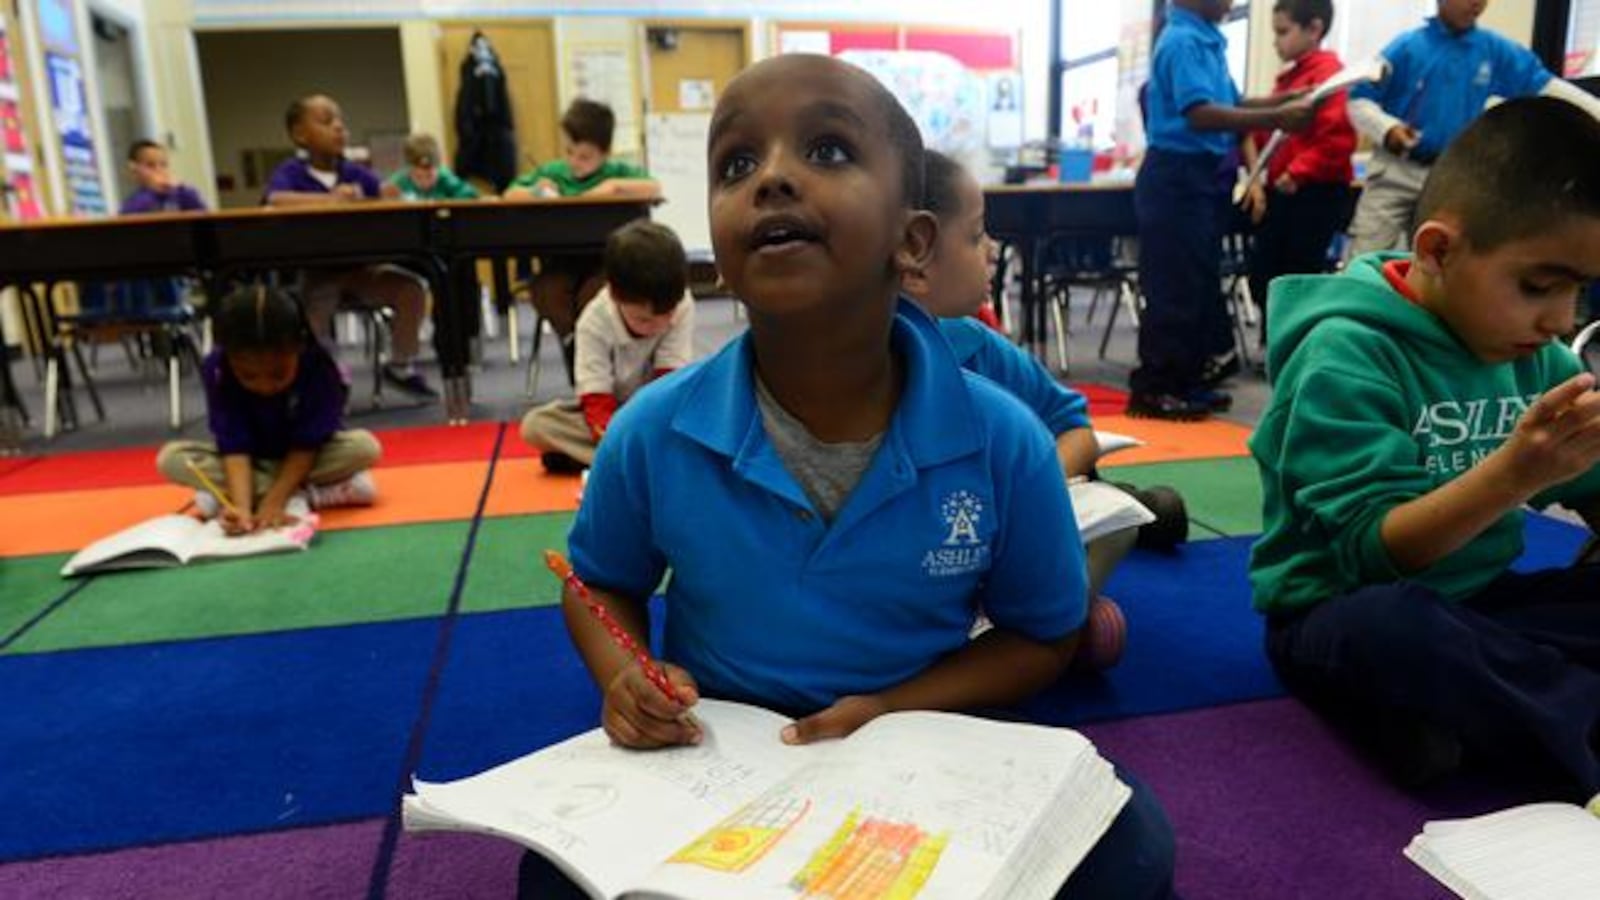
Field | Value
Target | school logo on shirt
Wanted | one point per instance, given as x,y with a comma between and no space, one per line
1455,435
963,550
1485,75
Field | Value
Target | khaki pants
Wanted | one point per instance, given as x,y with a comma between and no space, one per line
372,286
1104,553
1386,213
345,454
560,426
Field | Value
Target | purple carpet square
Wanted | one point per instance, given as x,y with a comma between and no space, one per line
327,861
1269,802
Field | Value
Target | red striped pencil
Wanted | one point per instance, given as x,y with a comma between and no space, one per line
563,570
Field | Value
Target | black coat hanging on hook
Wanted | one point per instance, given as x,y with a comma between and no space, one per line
486,141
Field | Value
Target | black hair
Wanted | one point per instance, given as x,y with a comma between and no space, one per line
295,112
1522,169
141,145
589,122
260,318
645,262
1304,12
942,184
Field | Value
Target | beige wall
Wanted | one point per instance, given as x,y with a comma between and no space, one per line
248,86
419,56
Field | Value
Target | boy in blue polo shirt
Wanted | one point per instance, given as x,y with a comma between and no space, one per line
1440,77
834,496
1194,120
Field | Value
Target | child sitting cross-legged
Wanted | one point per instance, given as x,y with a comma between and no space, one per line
639,328
274,401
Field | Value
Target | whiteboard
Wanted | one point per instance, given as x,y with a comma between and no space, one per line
675,155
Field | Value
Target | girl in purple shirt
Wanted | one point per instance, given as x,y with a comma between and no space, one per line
275,404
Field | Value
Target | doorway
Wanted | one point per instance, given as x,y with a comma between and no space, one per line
121,105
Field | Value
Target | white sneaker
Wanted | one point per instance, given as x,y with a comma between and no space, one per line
206,504
357,490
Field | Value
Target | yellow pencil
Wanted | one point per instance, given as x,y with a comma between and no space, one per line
219,493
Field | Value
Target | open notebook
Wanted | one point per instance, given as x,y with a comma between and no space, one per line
914,804
1543,851
177,540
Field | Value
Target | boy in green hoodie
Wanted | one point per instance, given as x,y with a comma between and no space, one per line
1420,401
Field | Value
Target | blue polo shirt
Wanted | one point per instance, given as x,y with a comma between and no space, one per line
1439,80
962,506
1190,67
981,349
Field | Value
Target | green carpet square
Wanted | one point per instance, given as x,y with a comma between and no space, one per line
508,570
347,577
1223,495
28,584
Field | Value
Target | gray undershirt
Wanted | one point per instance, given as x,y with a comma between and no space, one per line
826,472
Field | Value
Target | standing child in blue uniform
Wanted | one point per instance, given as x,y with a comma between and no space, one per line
275,404
319,175
1420,402
1194,119
953,285
1440,77
834,496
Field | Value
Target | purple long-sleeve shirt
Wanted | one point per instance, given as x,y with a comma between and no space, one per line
294,175
303,417
181,197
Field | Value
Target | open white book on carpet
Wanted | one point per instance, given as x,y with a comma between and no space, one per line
914,804
1543,851
177,540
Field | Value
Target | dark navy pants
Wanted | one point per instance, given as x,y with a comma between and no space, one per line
1133,860
1294,237
1179,201
1512,672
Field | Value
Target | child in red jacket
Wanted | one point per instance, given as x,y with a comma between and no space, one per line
1302,200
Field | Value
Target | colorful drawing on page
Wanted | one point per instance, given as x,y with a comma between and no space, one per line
871,859
741,840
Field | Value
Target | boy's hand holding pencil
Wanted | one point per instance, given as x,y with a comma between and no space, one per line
646,705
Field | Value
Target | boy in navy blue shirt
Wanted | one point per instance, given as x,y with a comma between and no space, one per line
319,175
886,494
1194,120
1440,77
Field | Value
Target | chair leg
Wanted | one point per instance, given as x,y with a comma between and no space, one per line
532,384
174,393
1060,322
1111,323
88,383
52,392
513,336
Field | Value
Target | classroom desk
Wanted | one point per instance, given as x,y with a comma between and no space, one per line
1030,216
440,241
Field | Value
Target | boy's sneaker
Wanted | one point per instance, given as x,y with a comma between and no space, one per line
357,490
206,504
1220,368
557,463
1105,636
1214,400
409,382
1170,407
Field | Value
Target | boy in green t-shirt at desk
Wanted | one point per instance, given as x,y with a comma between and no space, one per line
566,283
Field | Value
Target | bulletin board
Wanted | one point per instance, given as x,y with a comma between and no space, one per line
21,201
70,114
975,74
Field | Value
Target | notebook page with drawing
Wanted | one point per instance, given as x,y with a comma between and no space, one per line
1543,851
926,805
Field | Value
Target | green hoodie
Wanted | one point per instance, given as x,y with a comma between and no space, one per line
1375,403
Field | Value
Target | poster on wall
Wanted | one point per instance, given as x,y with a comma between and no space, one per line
7,74
70,113
23,198
1005,109
12,140
945,98
603,72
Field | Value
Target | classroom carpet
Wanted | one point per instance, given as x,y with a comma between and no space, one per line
246,729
